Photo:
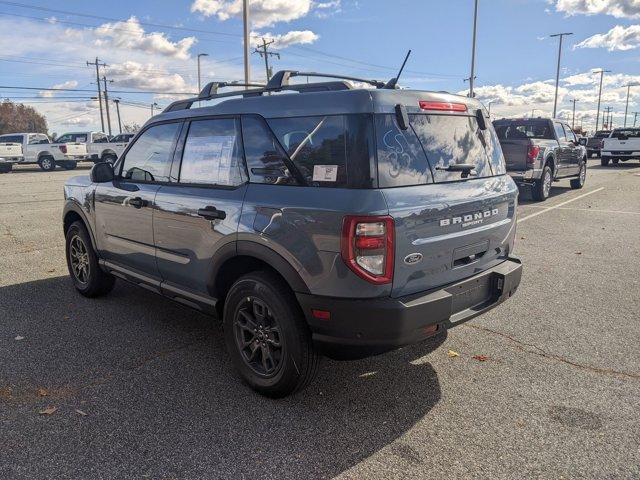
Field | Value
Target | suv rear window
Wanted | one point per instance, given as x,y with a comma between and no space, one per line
523,129
330,150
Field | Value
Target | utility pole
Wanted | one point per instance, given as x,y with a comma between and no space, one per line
262,51
606,120
98,64
245,23
106,102
555,98
626,107
635,117
573,119
473,49
602,71
117,102
153,105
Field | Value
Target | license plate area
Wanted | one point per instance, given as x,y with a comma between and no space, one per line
472,293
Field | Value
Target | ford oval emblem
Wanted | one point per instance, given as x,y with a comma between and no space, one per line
413,258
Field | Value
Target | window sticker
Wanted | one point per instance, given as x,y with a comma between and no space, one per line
325,173
208,160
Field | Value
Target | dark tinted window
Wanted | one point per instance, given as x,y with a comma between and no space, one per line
602,134
523,129
329,151
100,138
626,133
212,153
401,160
452,139
265,157
149,158
11,139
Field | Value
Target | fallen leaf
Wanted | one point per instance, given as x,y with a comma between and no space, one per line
453,353
522,238
18,337
80,412
578,253
48,411
480,358
66,317
43,392
51,271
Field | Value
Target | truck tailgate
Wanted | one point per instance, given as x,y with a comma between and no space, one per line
515,153
10,150
76,149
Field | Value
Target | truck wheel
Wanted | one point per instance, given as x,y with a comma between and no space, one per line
47,163
577,183
267,336
6,167
604,161
542,187
88,278
69,165
589,153
615,161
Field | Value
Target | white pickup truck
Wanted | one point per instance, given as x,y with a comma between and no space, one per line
99,147
621,145
10,153
37,148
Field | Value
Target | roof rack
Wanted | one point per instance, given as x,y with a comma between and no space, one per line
279,81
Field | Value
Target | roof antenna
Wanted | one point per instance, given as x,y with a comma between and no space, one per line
394,81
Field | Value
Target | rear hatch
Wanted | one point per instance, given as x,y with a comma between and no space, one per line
518,138
449,225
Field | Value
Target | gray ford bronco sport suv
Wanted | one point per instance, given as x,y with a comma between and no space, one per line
312,218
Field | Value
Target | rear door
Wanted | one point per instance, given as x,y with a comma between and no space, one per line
447,226
563,152
574,151
199,214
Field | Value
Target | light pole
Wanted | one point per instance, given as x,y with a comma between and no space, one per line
626,107
473,49
602,71
200,55
117,102
245,23
489,107
555,98
573,118
153,105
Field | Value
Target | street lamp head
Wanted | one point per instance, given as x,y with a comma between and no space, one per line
560,34
203,55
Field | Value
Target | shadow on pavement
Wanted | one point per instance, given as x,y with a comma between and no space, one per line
162,400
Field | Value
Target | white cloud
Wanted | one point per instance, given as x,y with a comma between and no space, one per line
264,13
131,35
615,8
51,93
295,37
618,38
147,77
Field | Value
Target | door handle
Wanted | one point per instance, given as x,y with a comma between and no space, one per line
137,202
212,213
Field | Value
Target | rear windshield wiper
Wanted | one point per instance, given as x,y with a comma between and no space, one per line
465,168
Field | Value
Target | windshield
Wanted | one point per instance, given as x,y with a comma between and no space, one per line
523,129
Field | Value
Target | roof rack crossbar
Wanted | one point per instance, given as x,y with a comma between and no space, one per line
281,78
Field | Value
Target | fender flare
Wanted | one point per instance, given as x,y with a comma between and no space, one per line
75,207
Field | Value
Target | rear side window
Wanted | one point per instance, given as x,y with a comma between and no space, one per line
212,153
329,151
452,139
99,138
149,158
265,157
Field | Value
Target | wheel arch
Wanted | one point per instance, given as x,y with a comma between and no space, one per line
73,213
551,161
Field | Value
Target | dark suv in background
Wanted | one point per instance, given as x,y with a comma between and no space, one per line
539,151
312,218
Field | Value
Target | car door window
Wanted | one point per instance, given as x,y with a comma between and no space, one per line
570,135
100,138
560,132
149,158
212,153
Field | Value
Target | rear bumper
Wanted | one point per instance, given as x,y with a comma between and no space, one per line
11,159
363,327
526,176
620,154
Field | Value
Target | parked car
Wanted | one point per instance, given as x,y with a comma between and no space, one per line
37,148
539,151
594,143
337,221
623,144
10,153
99,147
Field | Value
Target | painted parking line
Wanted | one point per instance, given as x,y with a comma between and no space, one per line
548,209
596,210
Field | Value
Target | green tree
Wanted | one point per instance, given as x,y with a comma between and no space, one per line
17,117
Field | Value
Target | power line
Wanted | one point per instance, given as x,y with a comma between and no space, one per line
52,89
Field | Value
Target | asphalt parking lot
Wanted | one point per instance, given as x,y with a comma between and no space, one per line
545,386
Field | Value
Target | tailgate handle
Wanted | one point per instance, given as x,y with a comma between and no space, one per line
469,254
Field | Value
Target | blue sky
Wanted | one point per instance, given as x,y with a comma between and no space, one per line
46,44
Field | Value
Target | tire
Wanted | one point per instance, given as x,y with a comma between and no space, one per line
615,161
577,183
87,276
6,167
47,163
542,187
589,153
604,161
267,336
69,165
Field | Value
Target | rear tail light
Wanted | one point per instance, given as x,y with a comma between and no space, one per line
367,247
443,106
63,148
532,153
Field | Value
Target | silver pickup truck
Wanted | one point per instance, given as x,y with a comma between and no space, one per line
539,151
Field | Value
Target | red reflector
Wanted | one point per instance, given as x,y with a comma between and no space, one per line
370,243
321,314
532,153
443,106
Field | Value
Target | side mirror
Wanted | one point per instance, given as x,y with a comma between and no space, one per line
582,141
482,123
402,117
102,172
